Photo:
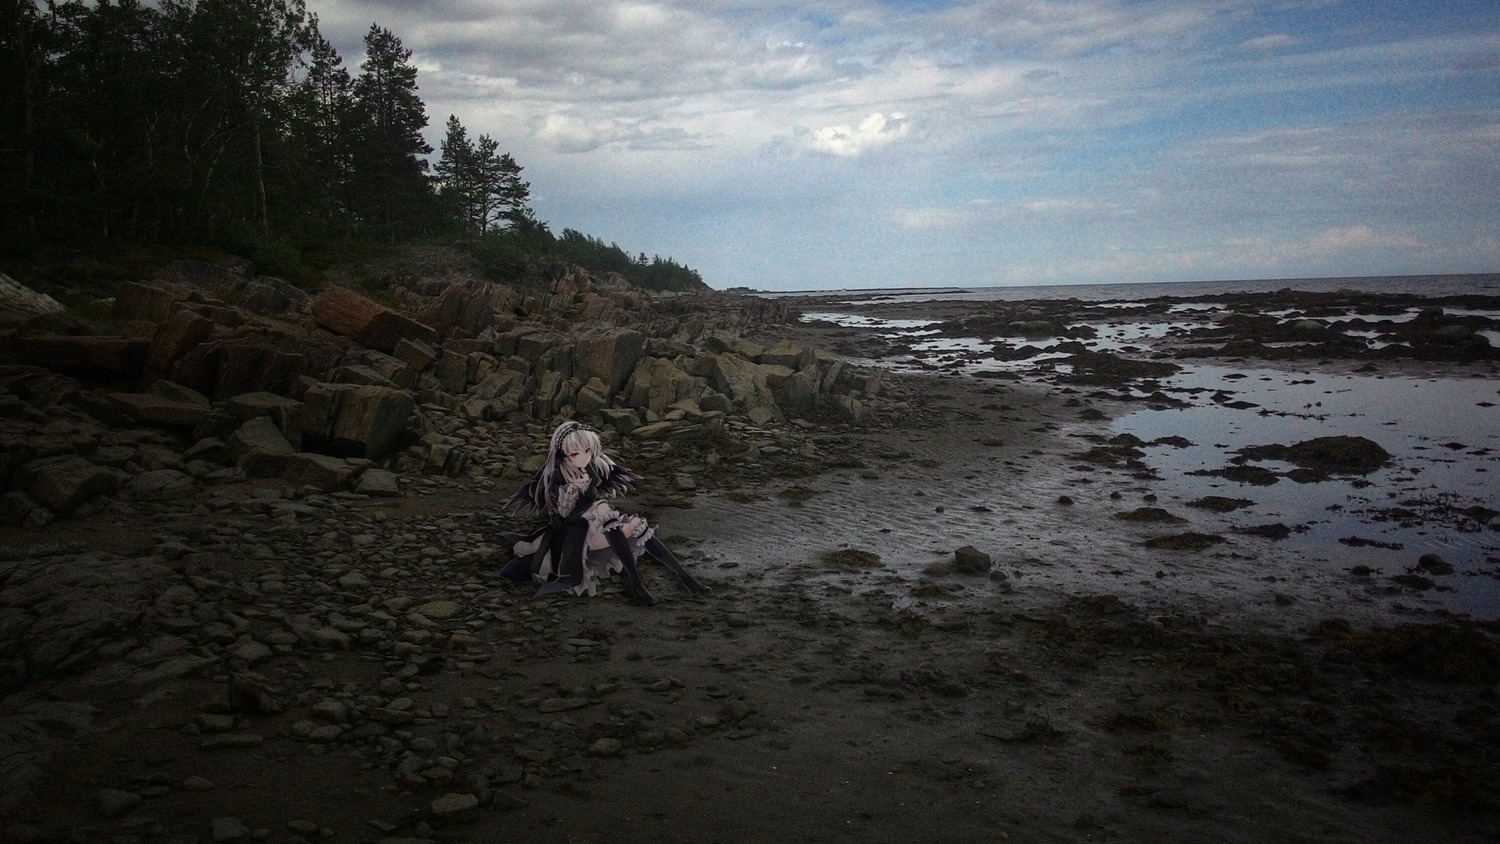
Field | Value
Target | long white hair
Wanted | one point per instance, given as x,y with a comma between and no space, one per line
571,437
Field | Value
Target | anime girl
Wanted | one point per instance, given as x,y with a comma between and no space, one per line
585,539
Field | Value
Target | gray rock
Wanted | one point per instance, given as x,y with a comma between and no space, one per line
610,355
453,806
970,560
113,802
228,829
347,419
163,485
61,484
259,448
369,323
319,471
19,302
379,483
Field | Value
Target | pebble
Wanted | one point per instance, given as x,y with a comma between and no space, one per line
113,802
228,829
451,805
606,747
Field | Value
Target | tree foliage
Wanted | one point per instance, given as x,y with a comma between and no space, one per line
482,185
234,122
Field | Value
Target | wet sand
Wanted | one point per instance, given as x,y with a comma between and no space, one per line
1084,688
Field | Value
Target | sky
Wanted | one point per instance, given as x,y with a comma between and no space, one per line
915,143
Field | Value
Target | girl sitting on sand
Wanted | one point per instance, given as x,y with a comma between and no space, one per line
585,539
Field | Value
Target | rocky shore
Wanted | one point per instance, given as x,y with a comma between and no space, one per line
244,597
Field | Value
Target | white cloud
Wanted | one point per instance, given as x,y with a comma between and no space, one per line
934,218
1270,43
1356,238
876,130
1116,137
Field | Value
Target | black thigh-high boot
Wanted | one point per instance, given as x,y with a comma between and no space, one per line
658,549
517,570
621,546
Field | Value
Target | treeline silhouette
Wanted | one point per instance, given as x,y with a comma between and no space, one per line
234,124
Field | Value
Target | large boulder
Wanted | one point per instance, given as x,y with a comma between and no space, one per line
163,485
145,302
178,334
321,470
470,306
608,354
251,361
159,410
62,483
796,394
19,303
366,321
269,295
788,354
89,356
259,448
657,383
745,382
351,420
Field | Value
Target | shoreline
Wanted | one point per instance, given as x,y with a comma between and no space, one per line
1081,697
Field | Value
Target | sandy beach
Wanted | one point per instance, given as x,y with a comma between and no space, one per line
1080,686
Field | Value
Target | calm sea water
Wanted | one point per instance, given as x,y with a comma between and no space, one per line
1443,431
1424,285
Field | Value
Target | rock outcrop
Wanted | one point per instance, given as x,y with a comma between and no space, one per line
213,375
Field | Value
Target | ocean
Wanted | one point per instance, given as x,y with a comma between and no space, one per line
1440,493
1483,284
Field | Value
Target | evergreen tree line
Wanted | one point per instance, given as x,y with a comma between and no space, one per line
234,123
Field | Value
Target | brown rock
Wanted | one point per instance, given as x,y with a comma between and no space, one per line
86,356
62,483
470,306
367,322
141,301
176,336
609,355
320,470
156,410
346,419
259,448
252,360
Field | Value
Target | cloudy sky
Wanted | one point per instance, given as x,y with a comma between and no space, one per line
887,143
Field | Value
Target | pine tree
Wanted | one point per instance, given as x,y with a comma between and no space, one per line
391,190
321,125
457,174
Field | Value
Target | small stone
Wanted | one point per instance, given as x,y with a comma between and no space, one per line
210,722
1434,564
250,651
970,560
229,829
605,747
561,704
112,802
735,711
437,610
450,806
197,783
306,829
